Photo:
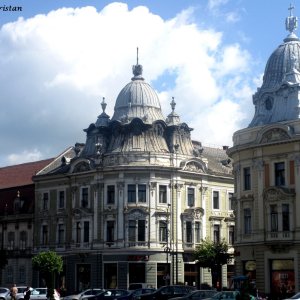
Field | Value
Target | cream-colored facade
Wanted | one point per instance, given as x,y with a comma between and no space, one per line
266,159
132,203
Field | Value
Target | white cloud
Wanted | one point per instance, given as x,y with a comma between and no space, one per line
56,68
24,156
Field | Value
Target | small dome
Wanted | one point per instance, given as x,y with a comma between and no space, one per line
137,100
282,61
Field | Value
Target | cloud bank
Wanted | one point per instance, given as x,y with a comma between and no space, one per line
56,68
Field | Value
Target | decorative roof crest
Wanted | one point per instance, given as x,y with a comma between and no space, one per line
137,70
103,104
291,24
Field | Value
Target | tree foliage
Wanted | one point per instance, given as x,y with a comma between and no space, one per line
48,264
213,255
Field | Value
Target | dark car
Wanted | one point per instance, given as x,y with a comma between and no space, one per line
167,292
136,294
197,295
110,294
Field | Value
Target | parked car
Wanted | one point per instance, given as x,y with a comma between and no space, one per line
110,294
228,295
38,294
135,286
79,296
167,292
21,290
4,293
197,295
136,294
295,297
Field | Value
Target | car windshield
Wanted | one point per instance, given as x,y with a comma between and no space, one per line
296,296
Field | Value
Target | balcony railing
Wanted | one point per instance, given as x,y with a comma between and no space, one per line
280,235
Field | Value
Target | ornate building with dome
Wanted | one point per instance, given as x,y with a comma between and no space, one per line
266,159
132,203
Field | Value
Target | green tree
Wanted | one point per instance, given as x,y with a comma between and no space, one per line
213,255
48,264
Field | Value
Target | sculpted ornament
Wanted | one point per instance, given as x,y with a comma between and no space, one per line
275,134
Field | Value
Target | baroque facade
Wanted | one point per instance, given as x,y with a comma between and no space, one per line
132,203
267,176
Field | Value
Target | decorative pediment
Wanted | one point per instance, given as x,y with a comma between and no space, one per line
136,213
81,166
274,134
193,213
197,166
277,194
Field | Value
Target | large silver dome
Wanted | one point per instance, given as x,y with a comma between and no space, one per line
137,100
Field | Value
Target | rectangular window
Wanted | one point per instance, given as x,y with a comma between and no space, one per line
44,235
279,174
230,201
274,218
131,190
285,217
197,232
110,194
84,197
110,231
216,204
162,194
163,233
86,231
78,232
61,199
142,192
191,197
141,230
11,240
131,231
45,200
189,235
247,179
216,233
247,221
61,234
231,235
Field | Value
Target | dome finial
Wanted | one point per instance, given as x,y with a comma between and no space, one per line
173,104
137,70
291,22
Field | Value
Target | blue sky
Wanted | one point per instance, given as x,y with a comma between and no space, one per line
59,58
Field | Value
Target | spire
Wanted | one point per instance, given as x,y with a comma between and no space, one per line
291,24
173,118
103,104
137,70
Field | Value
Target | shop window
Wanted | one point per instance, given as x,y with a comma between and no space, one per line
110,194
247,178
247,221
191,197
216,200
279,169
162,194
110,275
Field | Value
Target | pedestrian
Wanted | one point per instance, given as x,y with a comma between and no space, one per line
13,292
27,293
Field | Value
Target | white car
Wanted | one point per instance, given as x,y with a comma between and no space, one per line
88,292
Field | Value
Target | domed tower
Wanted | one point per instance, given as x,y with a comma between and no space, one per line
278,98
267,176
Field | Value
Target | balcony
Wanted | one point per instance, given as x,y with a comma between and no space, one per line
275,236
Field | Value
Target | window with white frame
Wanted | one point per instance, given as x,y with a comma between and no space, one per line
45,200
136,193
190,196
137,231
110,194
162,194
247,221
84,197
61,199
60,234
279,169
110,231
163,231
231,235
188,232
23,240
44,235
216,200
216,233
230,201
197,232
